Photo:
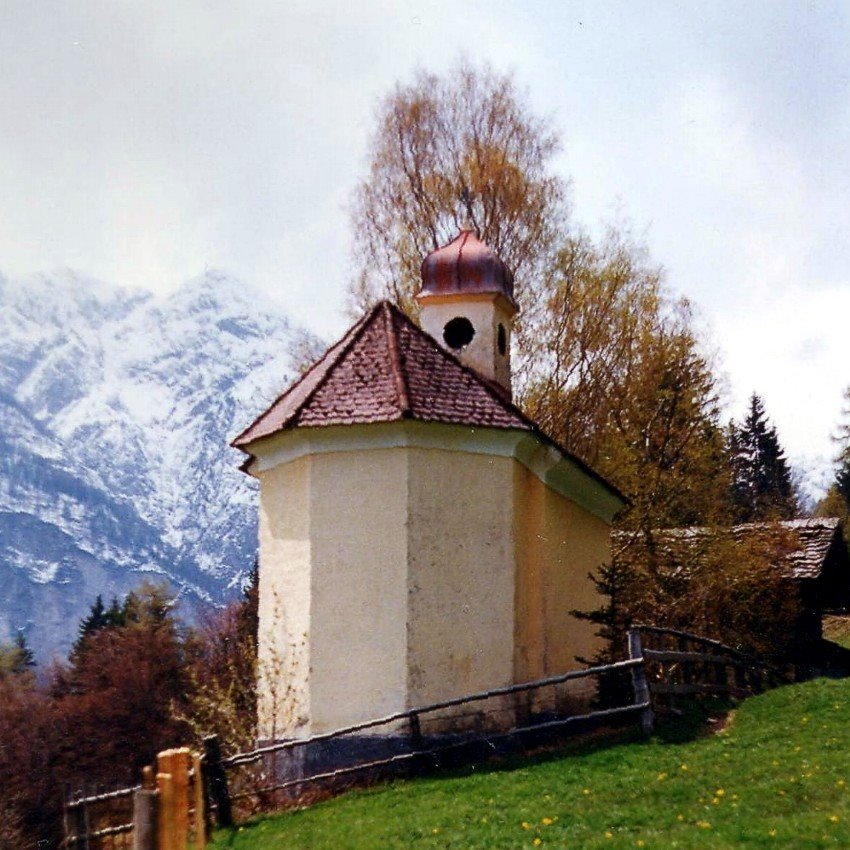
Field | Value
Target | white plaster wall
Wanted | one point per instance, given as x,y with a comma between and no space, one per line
485,313
461,574
284,604
558,544
358,508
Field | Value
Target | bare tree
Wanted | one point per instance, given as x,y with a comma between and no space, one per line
467,135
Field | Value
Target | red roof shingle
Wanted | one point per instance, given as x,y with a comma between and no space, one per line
386,369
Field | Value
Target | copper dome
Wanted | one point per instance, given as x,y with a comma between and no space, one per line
465,265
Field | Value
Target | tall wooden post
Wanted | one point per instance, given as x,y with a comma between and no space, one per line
80,820
165,819
176,764
145,820
217,781
639,682
199,803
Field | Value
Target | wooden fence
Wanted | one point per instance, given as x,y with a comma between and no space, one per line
683,665
166,812
177,802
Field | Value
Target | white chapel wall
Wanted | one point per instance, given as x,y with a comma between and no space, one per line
359,588
284,608
461,574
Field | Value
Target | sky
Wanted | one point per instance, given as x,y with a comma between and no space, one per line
143,143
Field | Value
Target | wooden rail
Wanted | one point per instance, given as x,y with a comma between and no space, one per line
172,806
711,669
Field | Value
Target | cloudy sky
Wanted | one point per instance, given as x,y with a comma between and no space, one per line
143,142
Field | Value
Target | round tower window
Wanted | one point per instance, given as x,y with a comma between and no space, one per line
502,339
458,332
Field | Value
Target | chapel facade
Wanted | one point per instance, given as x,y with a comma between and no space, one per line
420,537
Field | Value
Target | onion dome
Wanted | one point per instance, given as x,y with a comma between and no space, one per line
465,266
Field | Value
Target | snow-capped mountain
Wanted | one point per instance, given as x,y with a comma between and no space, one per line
115,412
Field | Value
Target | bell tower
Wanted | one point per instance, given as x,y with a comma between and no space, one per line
467,301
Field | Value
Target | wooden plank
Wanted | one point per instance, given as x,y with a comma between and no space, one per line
165,815
217,780
710,658
145,820
259,752
682,689
199,803
639,683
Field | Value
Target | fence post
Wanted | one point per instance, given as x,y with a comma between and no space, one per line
175,763
416,742
81,820
217,781
145,819
199,803
639,683
165,814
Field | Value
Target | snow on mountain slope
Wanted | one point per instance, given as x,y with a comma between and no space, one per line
115,410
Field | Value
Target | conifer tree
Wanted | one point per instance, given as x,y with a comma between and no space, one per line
836,502
16,657
761,477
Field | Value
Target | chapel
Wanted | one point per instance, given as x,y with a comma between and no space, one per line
420,538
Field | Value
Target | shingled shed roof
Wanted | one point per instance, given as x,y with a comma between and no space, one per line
810,542
386,369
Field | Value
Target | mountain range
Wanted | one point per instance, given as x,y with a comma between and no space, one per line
116,408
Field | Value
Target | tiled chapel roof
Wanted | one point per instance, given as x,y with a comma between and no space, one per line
386,369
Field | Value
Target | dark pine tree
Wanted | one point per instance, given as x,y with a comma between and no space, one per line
25,656
842,477
613,621
761,477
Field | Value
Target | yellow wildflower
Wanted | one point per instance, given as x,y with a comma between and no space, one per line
661,777
546,821
834,818
608,833
772,833
683,767
586,791
841,783
715,801
719,792
526,825
435,830
703,824
537,842
680,817
640,843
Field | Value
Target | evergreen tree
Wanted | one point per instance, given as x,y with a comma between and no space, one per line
761,477
92,623
16,657
836,502
842,479
613,619
842,474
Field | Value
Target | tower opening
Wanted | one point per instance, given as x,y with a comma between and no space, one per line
458,333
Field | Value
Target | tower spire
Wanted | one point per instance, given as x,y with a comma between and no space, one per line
467,300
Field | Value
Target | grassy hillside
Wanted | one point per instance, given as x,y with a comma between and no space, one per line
778,775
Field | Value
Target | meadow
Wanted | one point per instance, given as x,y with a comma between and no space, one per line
773,772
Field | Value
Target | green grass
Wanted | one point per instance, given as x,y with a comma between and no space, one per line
777,776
